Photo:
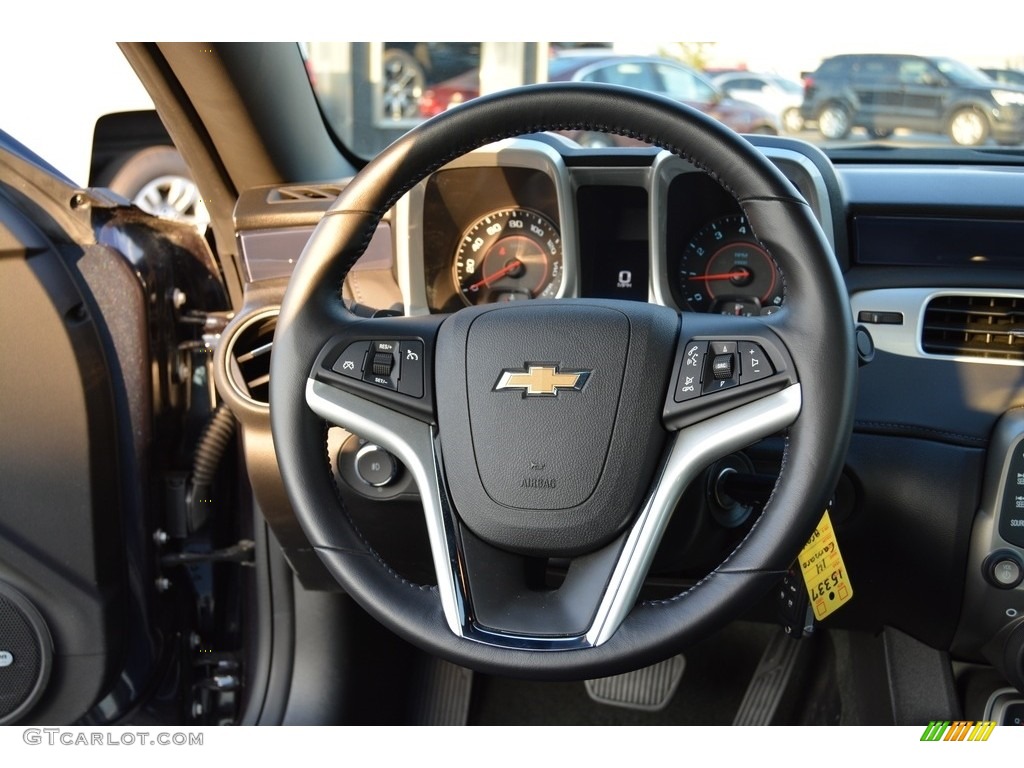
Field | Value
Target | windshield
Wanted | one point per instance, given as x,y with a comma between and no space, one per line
842,98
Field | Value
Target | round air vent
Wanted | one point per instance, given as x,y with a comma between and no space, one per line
248,356
25,654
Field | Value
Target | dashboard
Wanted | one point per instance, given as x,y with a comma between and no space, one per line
929,507
521,220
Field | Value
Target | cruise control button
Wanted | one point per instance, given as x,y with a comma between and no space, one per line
690,370
383,362
382,367
410,381
350,362
754,363
381,381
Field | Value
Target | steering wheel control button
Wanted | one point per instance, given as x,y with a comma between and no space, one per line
383,358
383,362
375,466
690,370
410,355
723,372
723,367
350,362
754,362
382,368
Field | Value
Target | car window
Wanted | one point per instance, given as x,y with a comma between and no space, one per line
877,70
789,86
961,73
917,72
630,74
746,84
685,85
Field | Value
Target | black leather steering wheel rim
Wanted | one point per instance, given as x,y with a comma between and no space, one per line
815,325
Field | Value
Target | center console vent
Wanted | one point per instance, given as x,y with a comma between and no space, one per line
974,326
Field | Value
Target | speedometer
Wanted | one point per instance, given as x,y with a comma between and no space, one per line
725,270
508,255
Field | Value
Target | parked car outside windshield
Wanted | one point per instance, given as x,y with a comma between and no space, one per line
667,78
779,95
653,74
1013,77
885,92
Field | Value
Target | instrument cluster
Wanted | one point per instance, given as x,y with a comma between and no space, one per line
495,233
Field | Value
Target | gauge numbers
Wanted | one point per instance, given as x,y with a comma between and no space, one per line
724,270
508,255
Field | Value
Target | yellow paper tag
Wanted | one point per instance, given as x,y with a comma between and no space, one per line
828,583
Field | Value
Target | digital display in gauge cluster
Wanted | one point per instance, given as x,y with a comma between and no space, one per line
614,243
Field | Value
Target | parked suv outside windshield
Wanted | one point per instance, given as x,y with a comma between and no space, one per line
886,92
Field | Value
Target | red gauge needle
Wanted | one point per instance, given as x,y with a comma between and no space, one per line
736,274
510,267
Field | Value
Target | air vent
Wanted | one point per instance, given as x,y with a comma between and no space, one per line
974,326
304,193
249,356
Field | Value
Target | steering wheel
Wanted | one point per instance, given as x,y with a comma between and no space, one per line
562,428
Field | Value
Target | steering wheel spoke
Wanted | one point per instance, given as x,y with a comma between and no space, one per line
387,361
723,363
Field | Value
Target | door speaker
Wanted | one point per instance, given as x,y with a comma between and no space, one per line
26,654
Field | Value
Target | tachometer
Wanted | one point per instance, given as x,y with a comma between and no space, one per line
726,271
507,255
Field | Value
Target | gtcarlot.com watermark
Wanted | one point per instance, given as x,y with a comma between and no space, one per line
63,737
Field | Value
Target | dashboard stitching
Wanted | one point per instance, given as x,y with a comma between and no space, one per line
915,428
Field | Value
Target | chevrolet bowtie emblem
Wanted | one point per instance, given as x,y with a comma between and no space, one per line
541,380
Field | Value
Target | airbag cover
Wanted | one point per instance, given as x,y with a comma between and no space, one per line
552,470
